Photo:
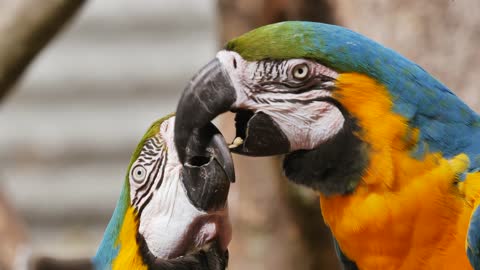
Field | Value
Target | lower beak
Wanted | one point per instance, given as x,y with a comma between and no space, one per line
208,169
260,134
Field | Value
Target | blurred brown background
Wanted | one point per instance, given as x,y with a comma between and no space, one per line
68,128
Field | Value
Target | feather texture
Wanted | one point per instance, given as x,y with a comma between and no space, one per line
445,123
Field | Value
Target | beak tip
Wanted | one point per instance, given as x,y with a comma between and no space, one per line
224,156
231,175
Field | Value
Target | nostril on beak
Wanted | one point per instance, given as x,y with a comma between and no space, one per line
198,161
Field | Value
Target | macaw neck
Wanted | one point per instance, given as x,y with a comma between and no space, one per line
119,248
429,120
334,167
380,133
408,181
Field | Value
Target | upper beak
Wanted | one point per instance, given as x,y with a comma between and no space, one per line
209,93
208,169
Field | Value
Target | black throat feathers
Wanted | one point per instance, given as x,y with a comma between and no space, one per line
334,167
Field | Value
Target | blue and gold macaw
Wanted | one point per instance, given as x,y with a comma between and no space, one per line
171,215
393,153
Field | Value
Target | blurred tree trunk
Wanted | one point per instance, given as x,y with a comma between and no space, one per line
12,235
276,225
26,26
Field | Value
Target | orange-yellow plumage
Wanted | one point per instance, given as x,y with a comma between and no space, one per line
406,213
128,255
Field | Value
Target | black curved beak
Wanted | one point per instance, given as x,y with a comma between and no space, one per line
210,93
208,169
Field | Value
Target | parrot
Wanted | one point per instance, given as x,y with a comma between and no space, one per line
171,215
393,154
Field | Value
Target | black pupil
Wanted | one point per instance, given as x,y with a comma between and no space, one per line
300,70
139,172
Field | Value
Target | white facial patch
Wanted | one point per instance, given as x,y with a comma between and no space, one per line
307,126
166,218
305,117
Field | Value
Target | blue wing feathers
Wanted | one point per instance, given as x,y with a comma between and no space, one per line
473,240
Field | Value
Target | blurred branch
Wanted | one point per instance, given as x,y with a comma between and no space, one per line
46,263
26,26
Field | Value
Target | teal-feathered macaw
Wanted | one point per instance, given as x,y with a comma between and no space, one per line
169,215
392,152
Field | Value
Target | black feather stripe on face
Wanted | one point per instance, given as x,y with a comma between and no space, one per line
153,153
163,160
147,185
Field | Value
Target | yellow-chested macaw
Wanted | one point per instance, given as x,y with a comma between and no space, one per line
393,153
171,216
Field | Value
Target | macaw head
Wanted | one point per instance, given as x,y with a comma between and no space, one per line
325,96
169,209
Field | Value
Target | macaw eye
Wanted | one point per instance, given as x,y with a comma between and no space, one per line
300,71
138,174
